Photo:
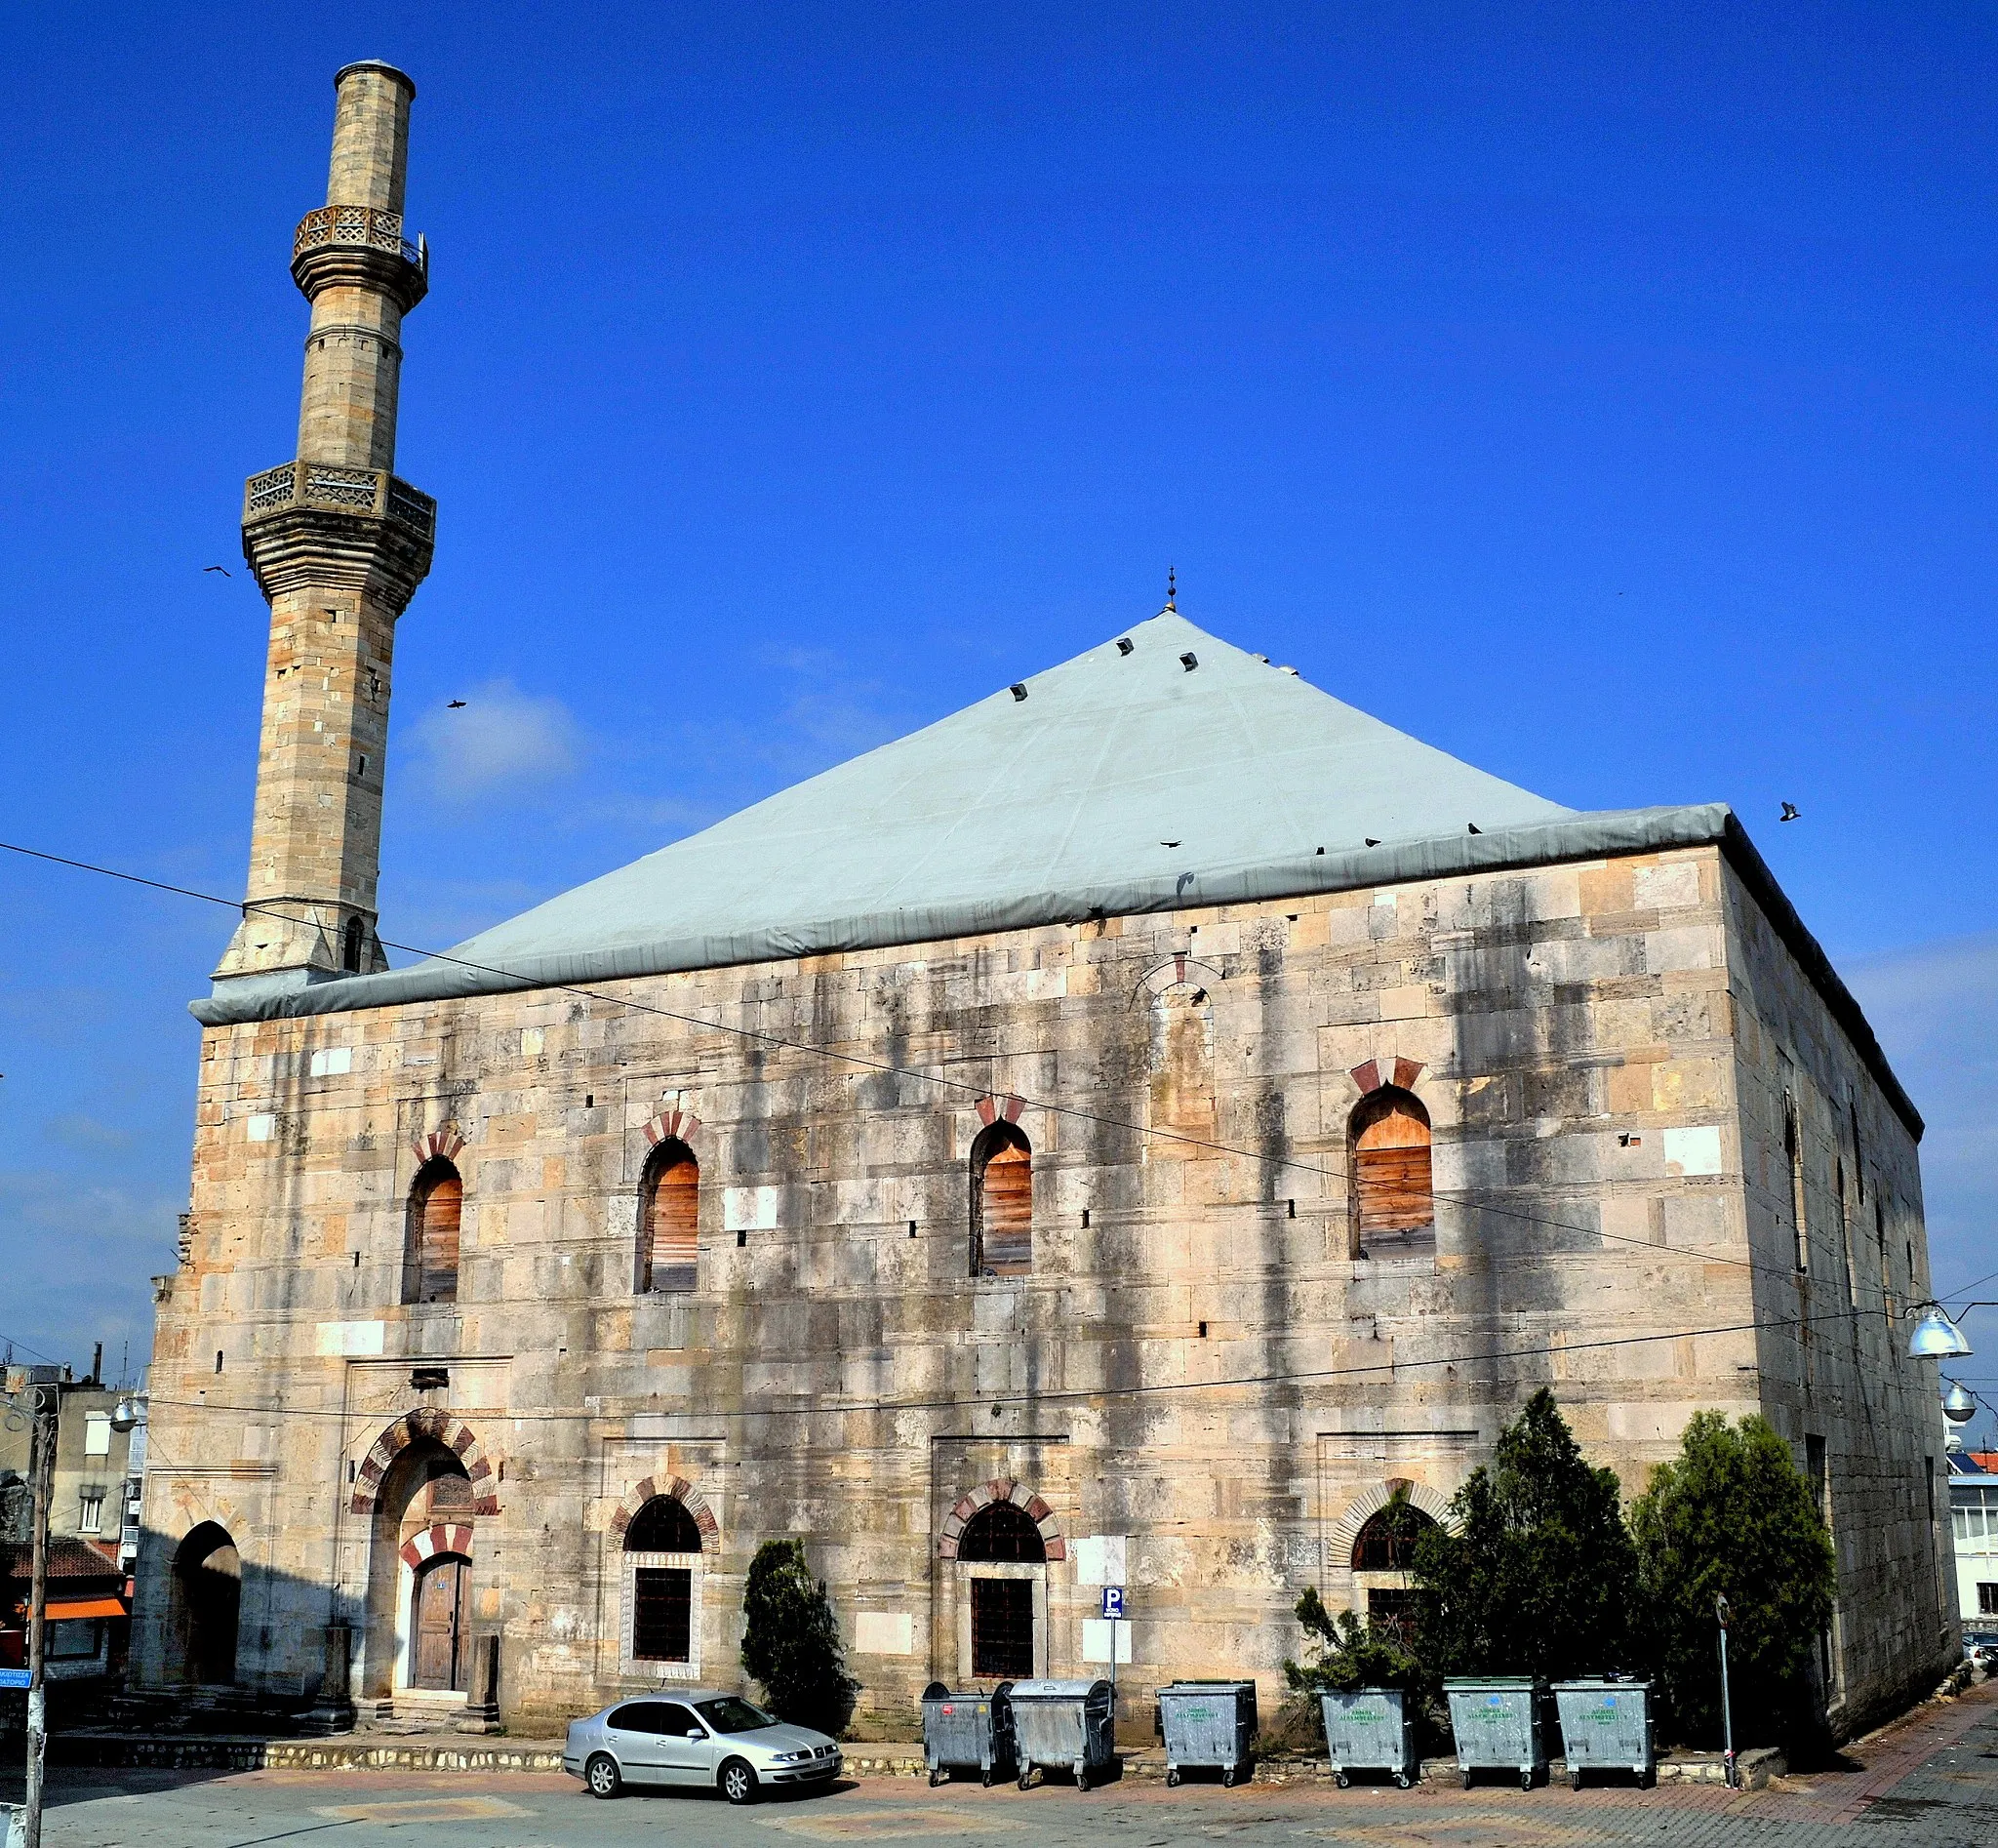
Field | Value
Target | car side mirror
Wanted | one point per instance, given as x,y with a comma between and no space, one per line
695,1733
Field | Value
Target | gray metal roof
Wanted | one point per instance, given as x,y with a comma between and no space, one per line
1125,781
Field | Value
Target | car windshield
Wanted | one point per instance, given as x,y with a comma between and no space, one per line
730,1716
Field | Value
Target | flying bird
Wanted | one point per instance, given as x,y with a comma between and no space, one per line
1790,812
454,706
223,569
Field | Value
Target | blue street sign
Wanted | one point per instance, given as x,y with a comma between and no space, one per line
1113,1601
14,1678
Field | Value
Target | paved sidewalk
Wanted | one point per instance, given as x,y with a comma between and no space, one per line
1930,1782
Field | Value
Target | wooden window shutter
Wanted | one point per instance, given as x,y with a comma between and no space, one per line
1003,1203
441,1211
673,1220
1393,1192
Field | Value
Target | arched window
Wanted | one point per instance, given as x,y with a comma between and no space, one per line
429,1270
669,1220
1389,1184
663,1525
1002,1532
1793,1153
351,947
1387,1542
661,1597
1002,1203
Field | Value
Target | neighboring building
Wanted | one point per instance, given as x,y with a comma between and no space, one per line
87,1492
1973,1519
93,1497
89,1615
1126,1130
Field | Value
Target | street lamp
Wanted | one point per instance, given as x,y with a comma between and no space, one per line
129,1412
1959,1406
1936,1336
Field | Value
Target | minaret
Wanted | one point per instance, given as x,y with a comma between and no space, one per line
338,546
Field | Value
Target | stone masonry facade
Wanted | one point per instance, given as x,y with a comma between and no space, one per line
1618,1059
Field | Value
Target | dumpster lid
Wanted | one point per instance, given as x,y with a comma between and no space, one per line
1057,1690
1204,1687
1596,1683
1471,1682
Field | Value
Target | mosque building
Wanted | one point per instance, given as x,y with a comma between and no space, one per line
1126,1130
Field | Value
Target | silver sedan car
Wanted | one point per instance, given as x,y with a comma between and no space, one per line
700,1737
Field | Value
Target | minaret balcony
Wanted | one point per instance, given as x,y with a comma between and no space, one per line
324,523
340,490
361,246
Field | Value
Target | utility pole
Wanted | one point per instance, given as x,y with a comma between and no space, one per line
47,1395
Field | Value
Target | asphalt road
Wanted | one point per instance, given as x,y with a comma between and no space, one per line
1933,1783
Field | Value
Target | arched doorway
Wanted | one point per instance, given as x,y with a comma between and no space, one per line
207,1585
420,1604
440,1647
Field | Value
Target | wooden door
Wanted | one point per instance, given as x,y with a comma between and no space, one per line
440,1602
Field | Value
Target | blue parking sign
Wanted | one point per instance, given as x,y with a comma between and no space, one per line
1113,1601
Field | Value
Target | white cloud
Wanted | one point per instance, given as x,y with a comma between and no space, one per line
502,740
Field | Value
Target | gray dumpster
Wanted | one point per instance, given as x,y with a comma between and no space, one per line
1497,1720
1370,1729
1207,1723
968,1729
1063,1723
1605,1726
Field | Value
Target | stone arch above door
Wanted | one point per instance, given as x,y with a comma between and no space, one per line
1002,1489
433,1540
452,1433
1371,1501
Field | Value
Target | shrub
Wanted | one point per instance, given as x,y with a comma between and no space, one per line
790,1640
1733,1515
1350,1653
1541,1576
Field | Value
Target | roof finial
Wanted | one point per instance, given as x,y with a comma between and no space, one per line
1172,591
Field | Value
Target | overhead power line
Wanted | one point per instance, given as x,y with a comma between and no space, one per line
1297,1164
820,1407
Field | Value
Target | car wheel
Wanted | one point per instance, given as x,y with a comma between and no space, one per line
600,1776
739,1781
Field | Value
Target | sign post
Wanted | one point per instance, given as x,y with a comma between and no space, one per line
1113,1615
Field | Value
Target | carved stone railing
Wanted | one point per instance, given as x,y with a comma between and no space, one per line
362,246
340,490
362,224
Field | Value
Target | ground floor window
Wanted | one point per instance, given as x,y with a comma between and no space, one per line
661,1614
1393,1612
1003,1628
1988,1600
75,1639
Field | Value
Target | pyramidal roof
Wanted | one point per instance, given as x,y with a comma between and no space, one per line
1165,770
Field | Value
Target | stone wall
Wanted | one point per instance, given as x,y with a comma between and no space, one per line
1197,1359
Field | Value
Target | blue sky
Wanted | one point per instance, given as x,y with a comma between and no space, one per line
1602,394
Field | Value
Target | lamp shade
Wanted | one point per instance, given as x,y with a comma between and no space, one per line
1958,1406
1937,1338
